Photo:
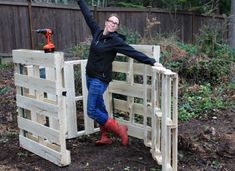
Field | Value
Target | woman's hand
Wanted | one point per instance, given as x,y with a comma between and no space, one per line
157,64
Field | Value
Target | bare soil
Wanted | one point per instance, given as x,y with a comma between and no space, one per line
204,145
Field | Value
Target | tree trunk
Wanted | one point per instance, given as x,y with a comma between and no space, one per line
232,25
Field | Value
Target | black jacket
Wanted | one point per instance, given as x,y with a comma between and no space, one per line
104,48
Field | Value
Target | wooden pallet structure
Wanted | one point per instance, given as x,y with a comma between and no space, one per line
140,96
41,105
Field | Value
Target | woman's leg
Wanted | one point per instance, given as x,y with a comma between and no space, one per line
95,104
104,137
95,109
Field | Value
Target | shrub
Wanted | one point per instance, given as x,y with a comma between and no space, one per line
199,100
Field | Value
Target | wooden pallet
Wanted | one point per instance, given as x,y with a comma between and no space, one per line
41,104
47,106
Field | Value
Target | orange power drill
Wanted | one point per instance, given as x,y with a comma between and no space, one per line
49,47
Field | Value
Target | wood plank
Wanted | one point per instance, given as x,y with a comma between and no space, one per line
156,53
135,130
146,49
71,113
175,120
121,87
156,154
120,67
89,123
40,130
138,68
45,152
50,75
29,57
137,108
37,106
147,137
130,81
35,83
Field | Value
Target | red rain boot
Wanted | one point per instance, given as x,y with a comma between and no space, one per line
104,139
120,130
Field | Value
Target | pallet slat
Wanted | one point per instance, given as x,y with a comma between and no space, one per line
138,69
38,129
45,152
37,106
137,108
24,56
121,87
35,83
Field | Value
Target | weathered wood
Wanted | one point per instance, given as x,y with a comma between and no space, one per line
137,108
38,129
89,123
37,105
24,56
18,37
45,152
35,83
156,103
70,101
44,102
121,87
175,121
50,75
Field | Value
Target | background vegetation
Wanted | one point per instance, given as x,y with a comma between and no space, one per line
206,69
200,6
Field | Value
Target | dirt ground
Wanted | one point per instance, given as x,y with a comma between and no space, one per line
204,145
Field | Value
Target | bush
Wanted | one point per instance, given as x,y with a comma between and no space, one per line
132,37
199,100
197,68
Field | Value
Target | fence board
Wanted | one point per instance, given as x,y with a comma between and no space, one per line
41,150
24,57
38,129
35,83
70,28
36,105
121,87
137,108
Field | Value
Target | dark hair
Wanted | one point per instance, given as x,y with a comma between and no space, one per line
114,15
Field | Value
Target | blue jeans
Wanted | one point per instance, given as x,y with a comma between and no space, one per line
95,102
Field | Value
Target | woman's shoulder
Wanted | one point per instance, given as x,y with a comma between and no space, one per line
118,36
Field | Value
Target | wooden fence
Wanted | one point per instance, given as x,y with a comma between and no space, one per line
17,19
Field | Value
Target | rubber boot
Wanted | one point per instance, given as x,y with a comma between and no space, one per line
104,138
120,130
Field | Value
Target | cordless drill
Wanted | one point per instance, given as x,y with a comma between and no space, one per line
49,47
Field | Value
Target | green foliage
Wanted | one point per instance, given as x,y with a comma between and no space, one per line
225,52
209,38
119,76
4,90
189,48
132,37
81,50
199,101
4,66
208,61
209,64
200,71
225,6
22,154
128,5
200,6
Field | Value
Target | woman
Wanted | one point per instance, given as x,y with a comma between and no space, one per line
105,45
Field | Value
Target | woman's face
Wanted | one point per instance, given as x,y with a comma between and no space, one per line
111,24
